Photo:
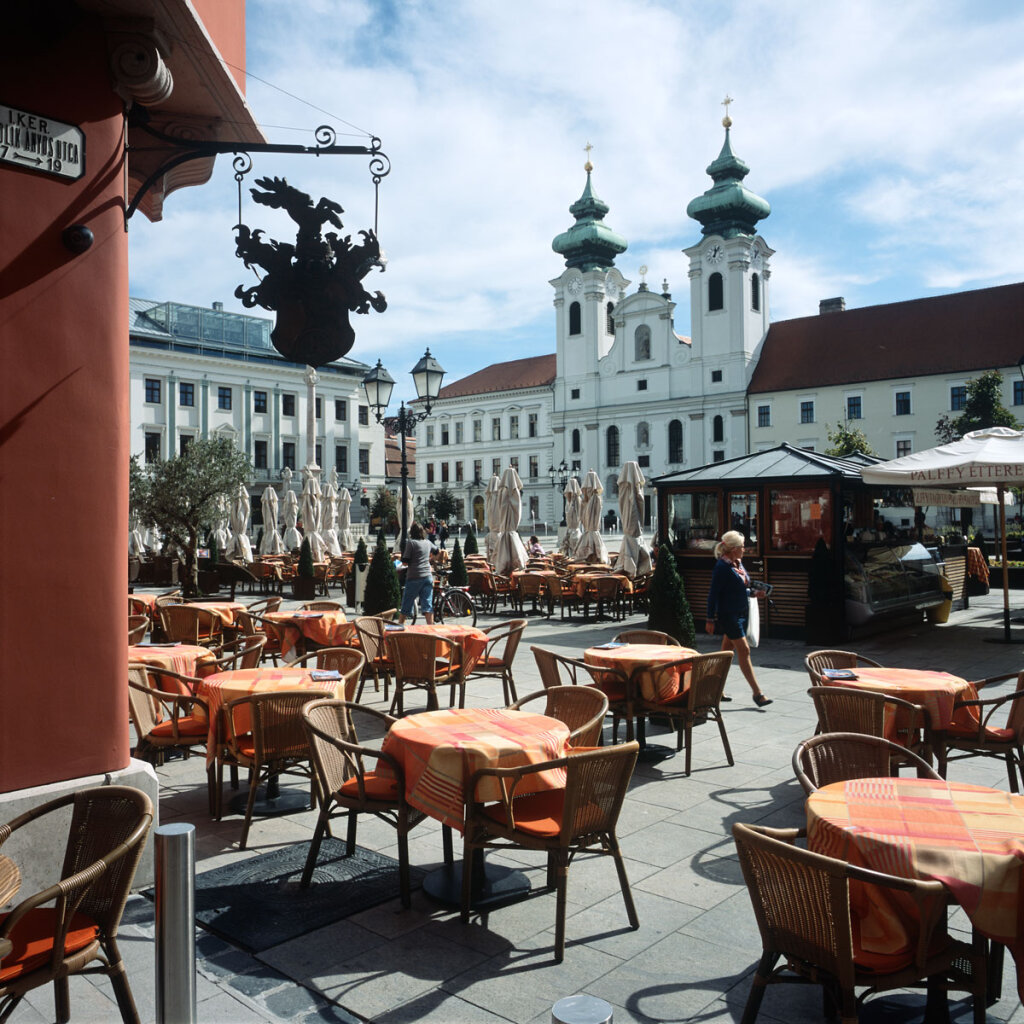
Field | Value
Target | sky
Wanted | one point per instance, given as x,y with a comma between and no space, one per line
887,137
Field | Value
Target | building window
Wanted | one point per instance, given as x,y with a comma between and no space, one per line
718,456
259,401
186,394
853,407
718,429
319,413
764,415
364,415
478,471
575,441
496,429
574,318
641,385
534,466
513,427
675,441
1018,392
534,507
807,412
612,438
444,433
574,393
643,435
341,459
575,467
152,390
902,403
642,343
340,409
755,293
496,467
958,397
609,318
444,472
458,432
716,376
903,448
430,472
531,425
514,462
259,454
364,462
643,461
152,448
318,454
224,398
184,440
288,454
287,405
478,431
428,441
716,292
458,472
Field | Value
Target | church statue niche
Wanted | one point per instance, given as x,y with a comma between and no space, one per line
314,284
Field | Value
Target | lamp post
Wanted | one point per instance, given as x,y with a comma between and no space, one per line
378,385
559,478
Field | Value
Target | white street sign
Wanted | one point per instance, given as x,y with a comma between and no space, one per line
38,143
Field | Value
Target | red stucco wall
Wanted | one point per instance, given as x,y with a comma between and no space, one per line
225,22
63,427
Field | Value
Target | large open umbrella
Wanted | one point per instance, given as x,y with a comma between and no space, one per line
591,545
979,459
491,516
271,544
329,513
634,558
509,550
573,499
240,509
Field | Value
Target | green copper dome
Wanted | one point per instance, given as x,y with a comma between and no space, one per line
728,208
589,244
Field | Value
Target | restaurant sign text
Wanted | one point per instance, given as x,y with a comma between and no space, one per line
42,144
949,499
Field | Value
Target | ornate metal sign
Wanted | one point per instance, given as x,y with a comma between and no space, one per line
314,284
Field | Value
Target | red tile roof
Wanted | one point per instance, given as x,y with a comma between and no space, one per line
536,371
961,333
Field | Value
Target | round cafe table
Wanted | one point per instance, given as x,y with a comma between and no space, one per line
224,610
185,659
328,628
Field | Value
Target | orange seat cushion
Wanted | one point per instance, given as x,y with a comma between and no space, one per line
378,787
188,725
992,733
539,814
32,941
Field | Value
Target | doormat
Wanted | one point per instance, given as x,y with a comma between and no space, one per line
258,903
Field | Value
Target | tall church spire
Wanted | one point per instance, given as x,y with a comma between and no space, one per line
589,244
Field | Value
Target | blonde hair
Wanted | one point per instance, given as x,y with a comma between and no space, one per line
730,539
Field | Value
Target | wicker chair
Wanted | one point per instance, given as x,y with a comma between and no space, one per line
645,636
245,652
562,592
986,740
818,660
272,649
582,708
496,661
529,586
261,607
561,822
105,837
138,627
802,905
162,718
189,625
348,787
558,670
347,661
700,701
371,632
606,594
321,606
137,606
278,744
419,666
839,756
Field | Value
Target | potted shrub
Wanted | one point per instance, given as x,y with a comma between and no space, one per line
457,575
471,545
669,610
304,583
382,589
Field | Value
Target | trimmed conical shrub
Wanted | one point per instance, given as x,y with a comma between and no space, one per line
305,566
382,589
457,575
471,548
669,609
361,556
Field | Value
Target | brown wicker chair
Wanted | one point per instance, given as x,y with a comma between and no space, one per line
186,624
371,632
138,627
496,661
561,822
645,636
106,834
839,756
801,902
606,594
699,701
321,606
278,744
419,666
582,708
818,660
562,592
261,607
137,606
162,718
347,661
529,586
348,787
272,649
244,652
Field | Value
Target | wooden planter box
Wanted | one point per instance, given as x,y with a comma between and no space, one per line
303,588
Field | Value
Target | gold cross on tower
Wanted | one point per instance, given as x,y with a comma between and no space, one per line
588,166
727,120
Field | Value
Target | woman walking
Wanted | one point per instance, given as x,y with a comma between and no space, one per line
419,579
727,607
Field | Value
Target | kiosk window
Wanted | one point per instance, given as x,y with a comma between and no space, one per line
799,517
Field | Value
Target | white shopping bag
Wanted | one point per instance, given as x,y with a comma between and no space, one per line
753,621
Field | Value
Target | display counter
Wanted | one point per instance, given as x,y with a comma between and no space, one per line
889,579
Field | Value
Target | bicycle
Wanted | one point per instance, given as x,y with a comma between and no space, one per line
451,604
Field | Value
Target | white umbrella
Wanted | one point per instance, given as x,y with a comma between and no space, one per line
509,550
491,516
347,538
271,544
634,558
980,458
311,505
240,510
410,510
591,545
329,513
290,513
221,532
573,499
136,541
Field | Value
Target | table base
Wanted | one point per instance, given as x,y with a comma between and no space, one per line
493,885
276,802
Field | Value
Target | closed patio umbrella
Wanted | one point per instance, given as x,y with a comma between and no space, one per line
271,544
634,558
509,550
221,532
591,546
573,500
329,514
491,515
240,510
345,535
290,513
311,505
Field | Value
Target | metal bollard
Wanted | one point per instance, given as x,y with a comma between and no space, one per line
581,1010
175,923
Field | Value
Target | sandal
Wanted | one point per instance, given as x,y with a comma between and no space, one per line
761,700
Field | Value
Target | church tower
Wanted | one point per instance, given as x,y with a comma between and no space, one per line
729,269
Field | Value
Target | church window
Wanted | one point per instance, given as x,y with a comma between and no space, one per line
755,292
716,292
575,441
643,461
613,446
717,429
643,435
642,343
609,318
574,393
641,385
718,456
574,318
675,441
716,376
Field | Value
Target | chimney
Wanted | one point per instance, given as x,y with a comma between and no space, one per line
219,306
836,305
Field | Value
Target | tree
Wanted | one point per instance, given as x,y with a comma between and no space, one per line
183,494
845,440
384,508
457,575
471,547
443,504
669,610
382,589
361,555
983,408
305,566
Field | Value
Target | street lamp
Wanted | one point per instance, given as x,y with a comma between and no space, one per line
378,385
559,478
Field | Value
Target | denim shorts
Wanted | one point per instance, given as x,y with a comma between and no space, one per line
419,588
734,627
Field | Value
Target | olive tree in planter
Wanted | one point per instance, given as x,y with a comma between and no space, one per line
304,583
382,589
669,609
457,575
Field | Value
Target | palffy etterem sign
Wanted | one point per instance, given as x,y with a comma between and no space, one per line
37,143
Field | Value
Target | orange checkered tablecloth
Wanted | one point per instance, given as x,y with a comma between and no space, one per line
326,628
639,661
440,750
976,564
581,579
969,838
224,609
186,659
221,688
